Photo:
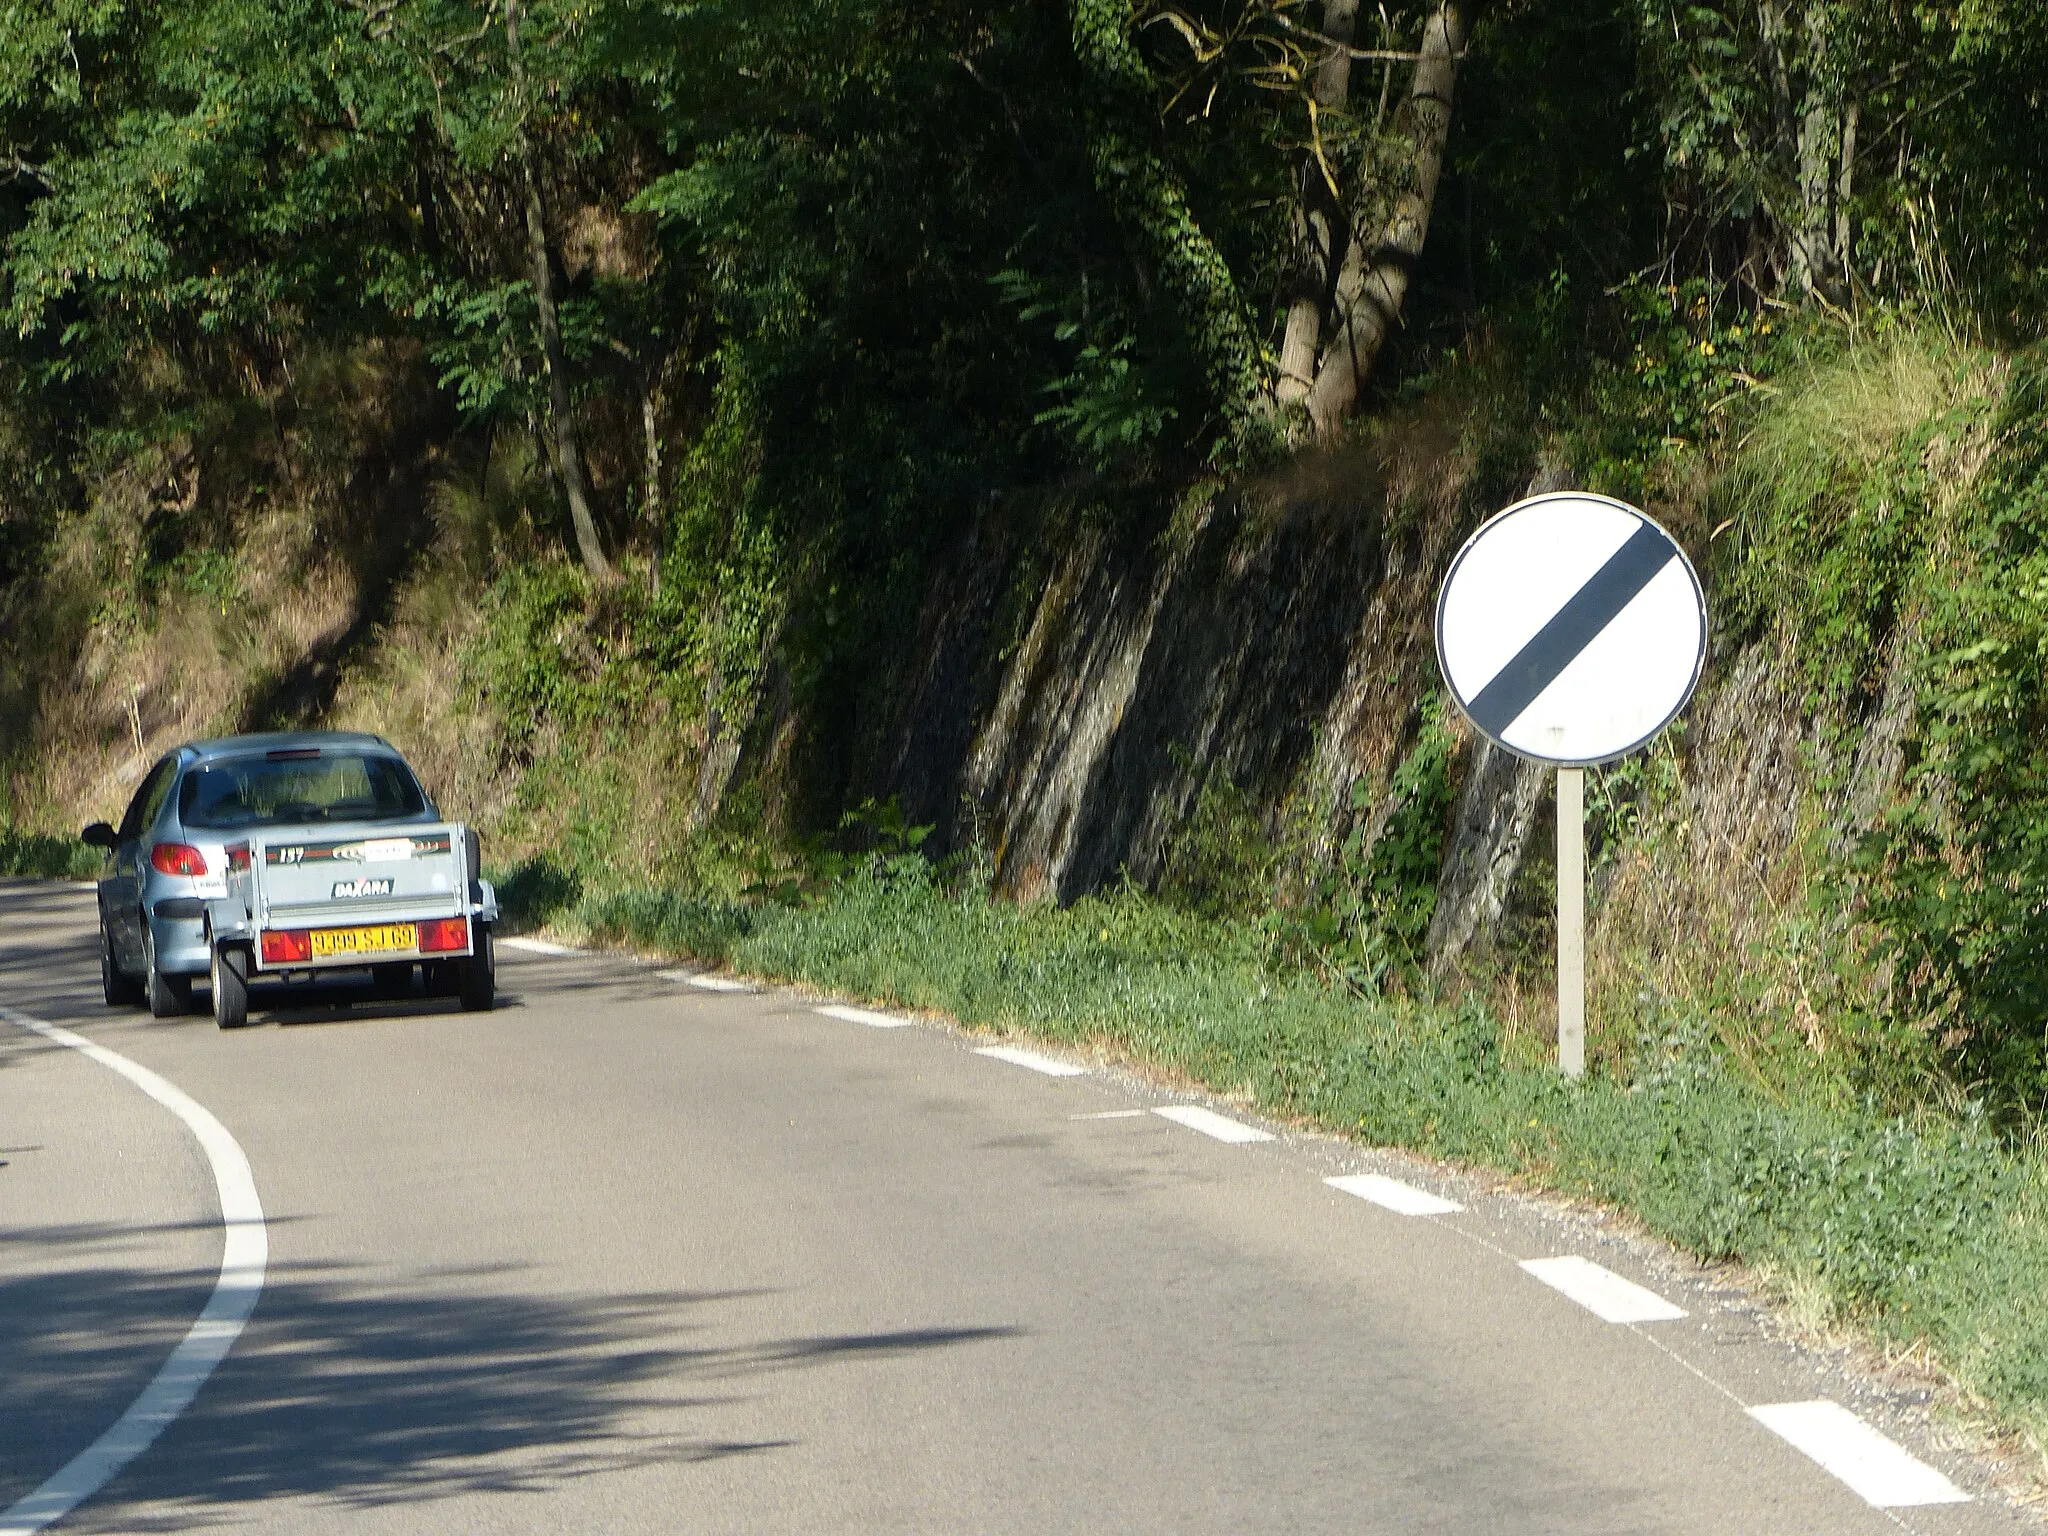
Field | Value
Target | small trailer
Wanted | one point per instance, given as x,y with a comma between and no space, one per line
306,899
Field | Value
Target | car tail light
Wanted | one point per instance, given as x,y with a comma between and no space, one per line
281,946
177,859
238,857
438,935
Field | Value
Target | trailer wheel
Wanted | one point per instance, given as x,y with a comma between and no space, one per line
230,986
479,976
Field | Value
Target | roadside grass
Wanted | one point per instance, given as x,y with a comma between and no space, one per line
43,857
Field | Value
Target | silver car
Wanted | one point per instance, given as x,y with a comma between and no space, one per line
168,858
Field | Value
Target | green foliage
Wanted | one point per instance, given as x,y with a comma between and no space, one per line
1368,915
43,857
536,891
1957,876
533,659
1943,198
1695,358
1221,861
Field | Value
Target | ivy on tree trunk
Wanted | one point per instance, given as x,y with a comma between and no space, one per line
564,448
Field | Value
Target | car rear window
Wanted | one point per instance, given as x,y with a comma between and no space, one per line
263,792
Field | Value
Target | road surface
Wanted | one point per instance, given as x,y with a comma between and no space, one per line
628,1255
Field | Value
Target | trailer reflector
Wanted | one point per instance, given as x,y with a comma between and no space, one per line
440,935
283,945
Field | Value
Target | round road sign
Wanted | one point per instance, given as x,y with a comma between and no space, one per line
1571,628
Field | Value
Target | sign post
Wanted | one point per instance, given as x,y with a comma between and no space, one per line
1571,921
1571,630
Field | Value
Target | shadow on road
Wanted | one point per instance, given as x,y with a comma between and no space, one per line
454,1384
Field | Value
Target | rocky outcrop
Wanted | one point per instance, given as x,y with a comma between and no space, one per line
1488,840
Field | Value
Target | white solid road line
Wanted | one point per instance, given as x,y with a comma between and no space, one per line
1113,1114
1403,1199
1033,1060
540,947
1882,1472
1601,1291
1209,1123
244,1255
864,1016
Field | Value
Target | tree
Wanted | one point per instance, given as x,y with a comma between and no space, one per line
1361,217
567,452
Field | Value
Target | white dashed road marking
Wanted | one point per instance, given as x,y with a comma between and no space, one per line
1031,1059
1601,1291
1880,1471
864,1016
539,947
1209,1123
1113,1114
243,1257
1403,1199
711,983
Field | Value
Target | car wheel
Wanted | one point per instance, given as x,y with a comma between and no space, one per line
479,976
230,987
169,996
119,988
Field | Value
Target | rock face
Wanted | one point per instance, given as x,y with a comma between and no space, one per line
1065,709
1279,638
1488,841
1148,669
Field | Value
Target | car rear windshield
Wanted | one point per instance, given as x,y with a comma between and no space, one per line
267,792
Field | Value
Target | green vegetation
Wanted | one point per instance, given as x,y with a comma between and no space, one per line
44,857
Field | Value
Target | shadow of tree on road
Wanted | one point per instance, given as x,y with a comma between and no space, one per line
455,1385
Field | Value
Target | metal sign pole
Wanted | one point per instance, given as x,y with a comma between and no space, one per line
1571,921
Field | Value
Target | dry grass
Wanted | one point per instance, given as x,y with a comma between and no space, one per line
1852,410
119,652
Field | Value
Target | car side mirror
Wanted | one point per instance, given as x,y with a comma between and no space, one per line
98,835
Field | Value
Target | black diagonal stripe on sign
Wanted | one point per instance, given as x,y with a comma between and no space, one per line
1571,629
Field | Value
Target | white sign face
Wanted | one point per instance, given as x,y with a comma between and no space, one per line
1571,628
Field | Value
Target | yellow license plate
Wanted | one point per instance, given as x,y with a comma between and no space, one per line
365,941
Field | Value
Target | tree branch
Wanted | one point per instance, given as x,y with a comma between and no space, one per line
1342,45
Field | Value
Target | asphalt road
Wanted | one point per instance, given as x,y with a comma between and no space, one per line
628,1256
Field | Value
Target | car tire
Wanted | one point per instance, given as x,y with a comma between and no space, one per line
478,977
230,987
120,989
169,996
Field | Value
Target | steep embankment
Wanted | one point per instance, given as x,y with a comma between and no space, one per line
1231,698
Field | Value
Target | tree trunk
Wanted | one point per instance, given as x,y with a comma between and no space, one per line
1845,188
1814,258
1816,140
650,429
1372,284
567,454
1322,225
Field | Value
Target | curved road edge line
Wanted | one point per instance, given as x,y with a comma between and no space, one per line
243,1257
